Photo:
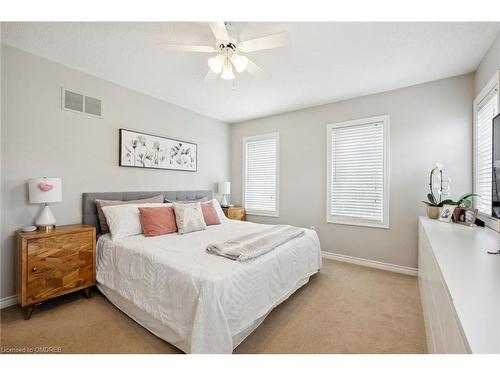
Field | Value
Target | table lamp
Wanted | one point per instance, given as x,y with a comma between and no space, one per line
45,190
224,189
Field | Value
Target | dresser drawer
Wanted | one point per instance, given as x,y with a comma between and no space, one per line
58,264
444,334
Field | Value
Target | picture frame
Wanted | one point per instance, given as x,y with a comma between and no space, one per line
465,216
143,150
446,213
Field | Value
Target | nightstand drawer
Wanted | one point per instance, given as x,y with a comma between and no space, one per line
58,264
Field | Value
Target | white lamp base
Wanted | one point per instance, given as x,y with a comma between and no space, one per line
224,201
46,220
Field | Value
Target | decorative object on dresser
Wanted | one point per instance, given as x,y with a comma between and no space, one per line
143,150
465,200
50,264
224,188
235,213
447,213
45,190
437,182
29,228
465,216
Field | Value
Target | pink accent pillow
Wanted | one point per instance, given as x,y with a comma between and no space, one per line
100,203
157,221
209,213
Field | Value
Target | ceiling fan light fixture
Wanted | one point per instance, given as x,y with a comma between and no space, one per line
216,63
225,50
240,63
227,72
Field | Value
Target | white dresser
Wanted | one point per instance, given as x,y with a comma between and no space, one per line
459,287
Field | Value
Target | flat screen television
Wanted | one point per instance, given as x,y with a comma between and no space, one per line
495,187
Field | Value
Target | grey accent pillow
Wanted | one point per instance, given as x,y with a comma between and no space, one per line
100,203
189,217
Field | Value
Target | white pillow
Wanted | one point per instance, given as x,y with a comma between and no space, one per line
189,217
125,220
219,211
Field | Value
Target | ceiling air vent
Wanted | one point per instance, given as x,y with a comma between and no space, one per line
75,102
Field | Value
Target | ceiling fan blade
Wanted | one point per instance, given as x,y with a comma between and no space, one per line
211,76
189,48
219,30
256,71
265,42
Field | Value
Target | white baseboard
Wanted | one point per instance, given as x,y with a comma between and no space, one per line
8,301
370,263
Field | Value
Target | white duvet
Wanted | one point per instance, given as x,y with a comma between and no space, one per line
199,302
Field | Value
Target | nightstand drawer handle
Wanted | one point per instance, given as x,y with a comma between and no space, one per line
34,269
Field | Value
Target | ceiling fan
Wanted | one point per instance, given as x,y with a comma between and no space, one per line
229,53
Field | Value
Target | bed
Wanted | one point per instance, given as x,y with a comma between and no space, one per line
198,302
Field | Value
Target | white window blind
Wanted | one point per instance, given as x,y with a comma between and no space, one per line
486,109
357,172
260,180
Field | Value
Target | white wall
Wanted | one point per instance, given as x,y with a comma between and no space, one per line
488,66
40,139
429,122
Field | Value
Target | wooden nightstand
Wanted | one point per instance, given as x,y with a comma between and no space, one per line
235,213
50,264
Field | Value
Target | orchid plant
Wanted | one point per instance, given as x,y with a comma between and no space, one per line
435,199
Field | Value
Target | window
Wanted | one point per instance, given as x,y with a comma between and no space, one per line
485,108
358,172
260,174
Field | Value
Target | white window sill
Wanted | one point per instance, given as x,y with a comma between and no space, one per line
260,213
358,223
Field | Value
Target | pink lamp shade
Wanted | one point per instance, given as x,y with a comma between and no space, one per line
45,190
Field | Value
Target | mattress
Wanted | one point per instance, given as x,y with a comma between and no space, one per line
199,302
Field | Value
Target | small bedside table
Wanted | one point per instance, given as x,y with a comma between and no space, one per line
235,213
53,263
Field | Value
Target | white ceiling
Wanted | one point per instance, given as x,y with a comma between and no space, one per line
324,62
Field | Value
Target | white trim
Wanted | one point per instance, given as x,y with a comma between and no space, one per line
370,263
385,224
8,301
493,83
275,135
261,213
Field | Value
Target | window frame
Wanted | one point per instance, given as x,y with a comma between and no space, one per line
245,140
332,219
493,84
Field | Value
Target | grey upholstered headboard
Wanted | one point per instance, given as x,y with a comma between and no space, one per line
89,212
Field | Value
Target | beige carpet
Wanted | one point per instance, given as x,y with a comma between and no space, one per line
344,309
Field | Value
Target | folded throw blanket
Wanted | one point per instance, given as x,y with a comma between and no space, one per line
255,244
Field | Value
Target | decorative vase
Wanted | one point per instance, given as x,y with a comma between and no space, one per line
432,212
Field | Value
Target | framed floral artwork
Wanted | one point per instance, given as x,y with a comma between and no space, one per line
141,150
